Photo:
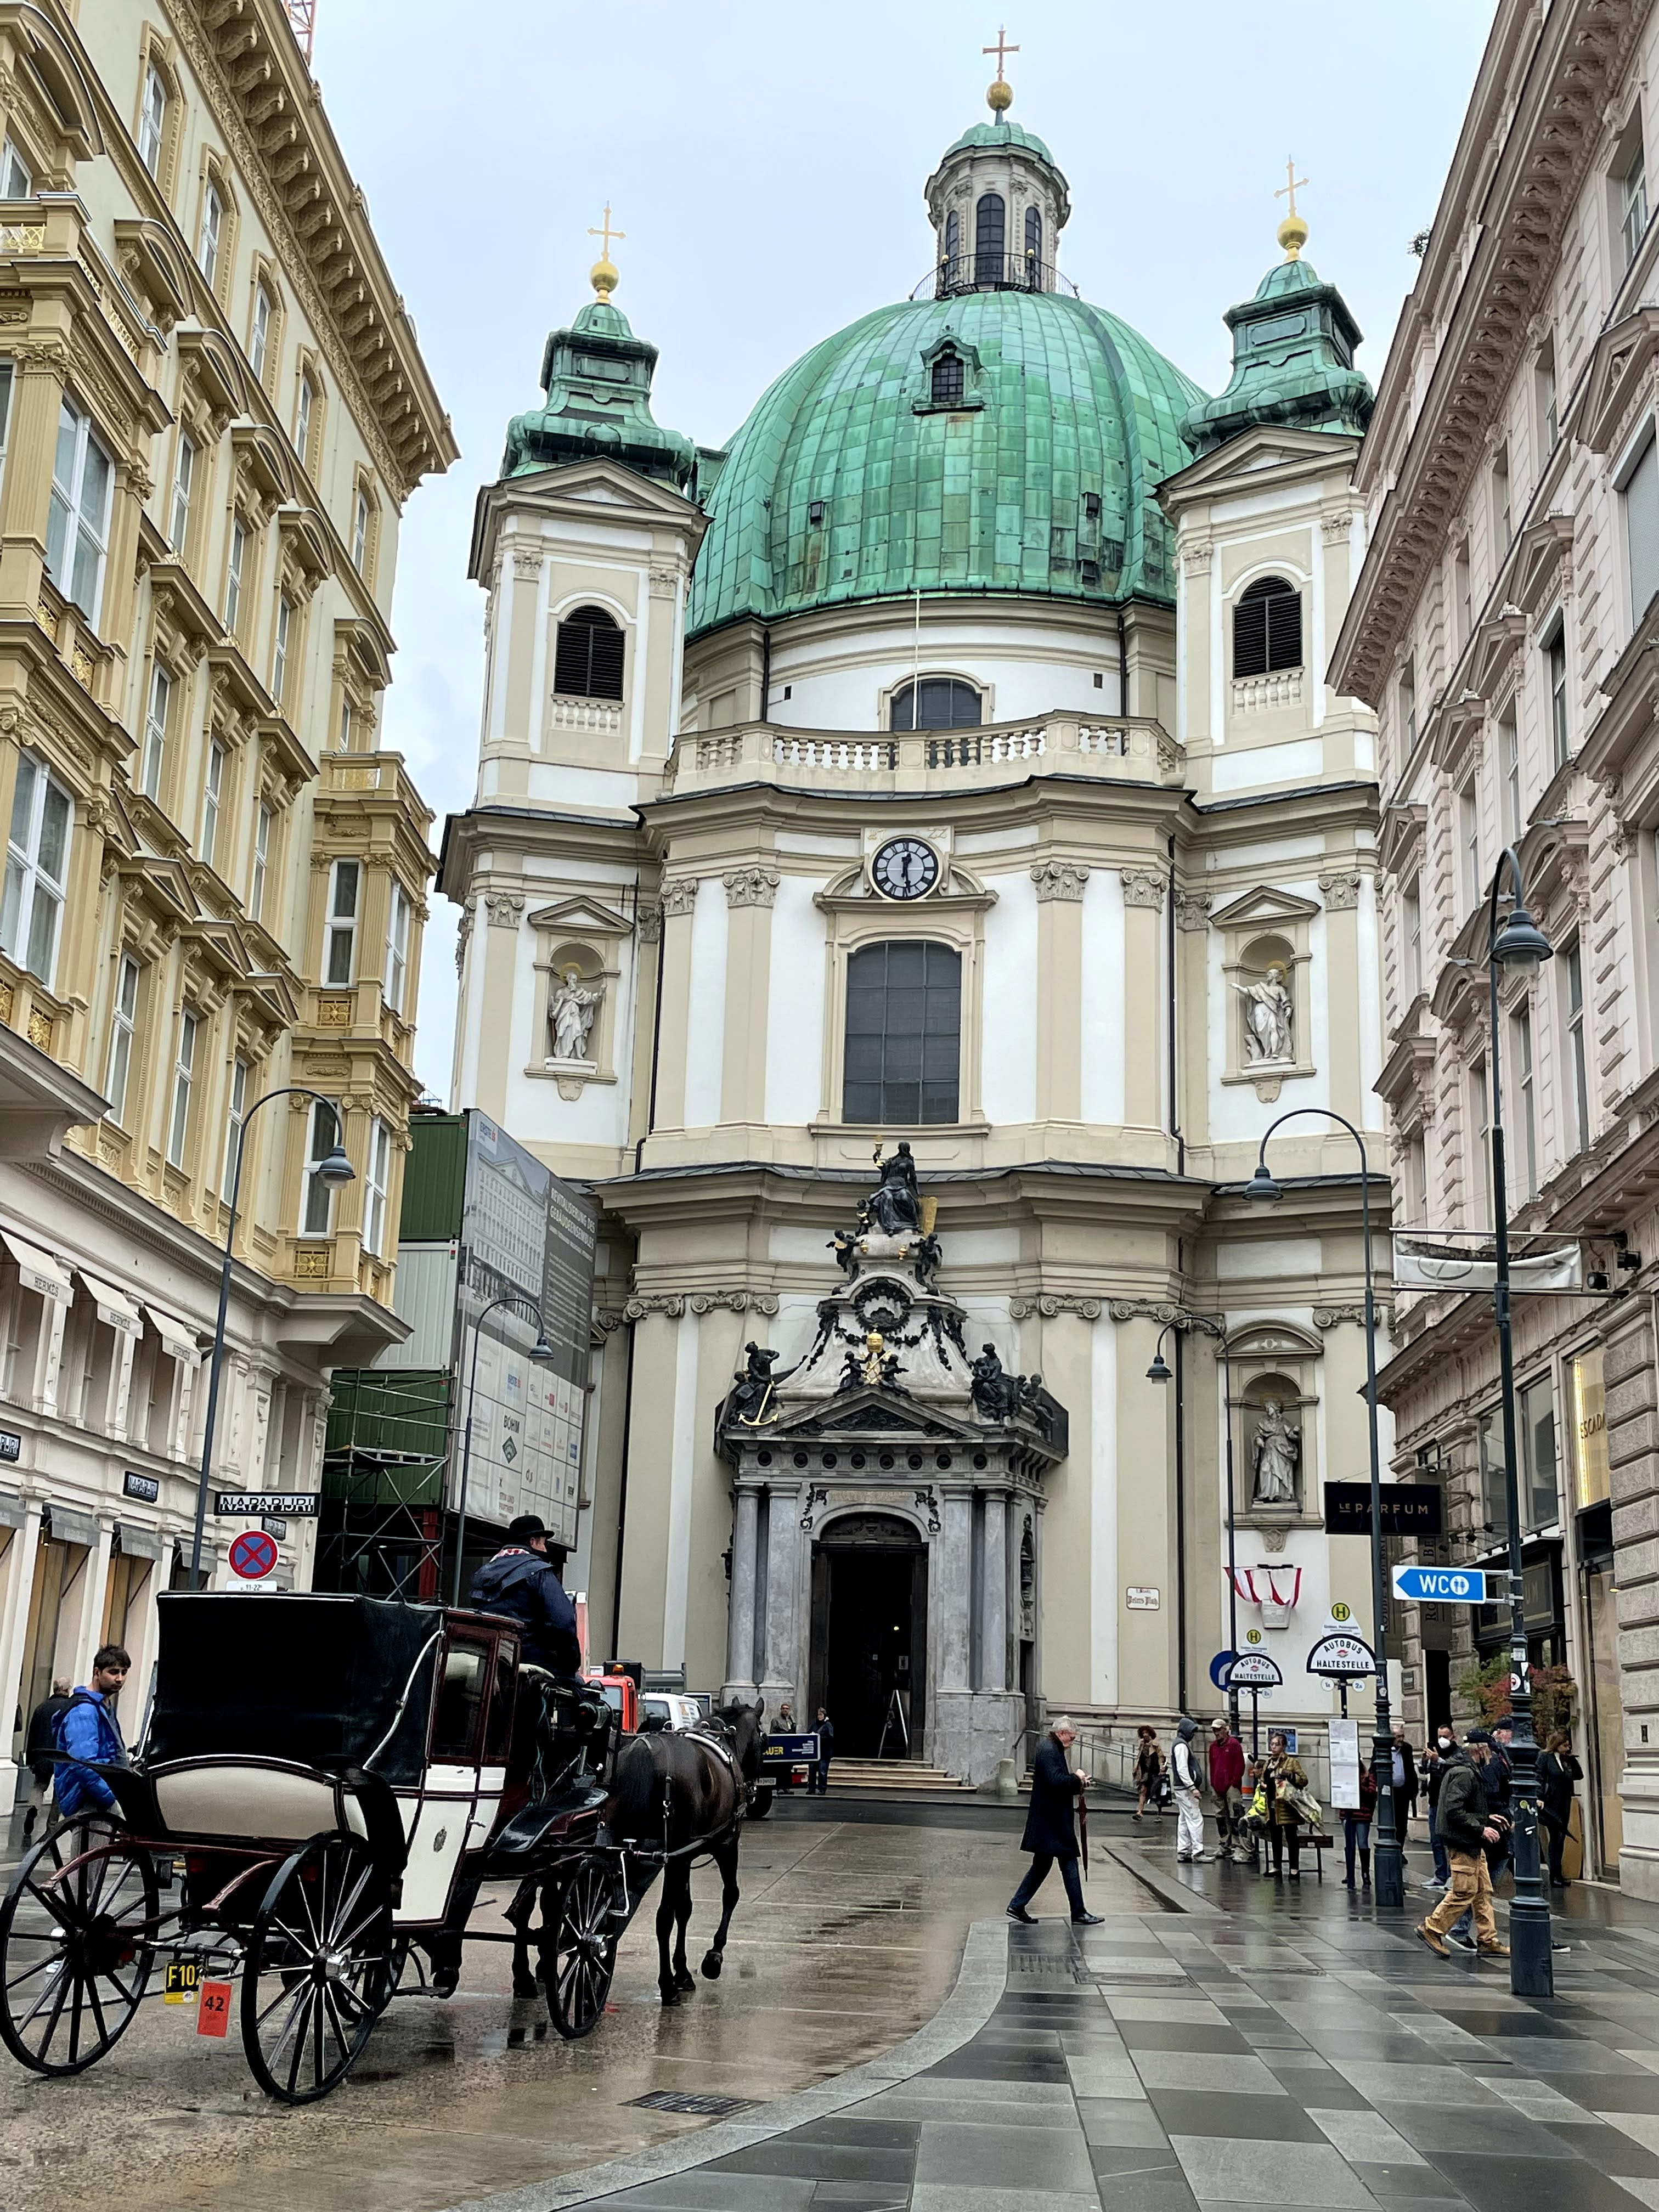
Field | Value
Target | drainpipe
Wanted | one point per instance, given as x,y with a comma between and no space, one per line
766,672
656,1026
621,1496
1122,669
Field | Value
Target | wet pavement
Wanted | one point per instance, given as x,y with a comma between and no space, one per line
1272,2044
849,1937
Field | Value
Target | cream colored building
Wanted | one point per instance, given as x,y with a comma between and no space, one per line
1502,627
950,760
214,410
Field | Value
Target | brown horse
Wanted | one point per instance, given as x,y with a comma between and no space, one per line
681,1794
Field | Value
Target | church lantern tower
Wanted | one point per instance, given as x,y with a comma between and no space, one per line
997,203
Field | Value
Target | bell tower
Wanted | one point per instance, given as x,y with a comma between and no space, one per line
998,203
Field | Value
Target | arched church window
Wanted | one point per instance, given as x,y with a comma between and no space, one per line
587,659
903,1034
1034,246
952,247
990,239
1268,627
949,382
945,701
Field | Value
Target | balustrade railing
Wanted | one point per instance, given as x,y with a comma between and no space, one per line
1140,750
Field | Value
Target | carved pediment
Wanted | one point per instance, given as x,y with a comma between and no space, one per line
581,917
870,1411
1460,728
1497,643
1400,843
1542,562
1264,907
1274,1339
1619,367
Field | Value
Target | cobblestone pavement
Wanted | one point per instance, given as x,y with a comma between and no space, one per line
847,1940
1263,2043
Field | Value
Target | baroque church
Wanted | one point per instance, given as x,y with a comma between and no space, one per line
946,763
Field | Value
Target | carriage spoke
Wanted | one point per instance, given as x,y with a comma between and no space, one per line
45,1998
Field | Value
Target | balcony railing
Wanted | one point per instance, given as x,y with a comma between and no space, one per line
991,272
1122,750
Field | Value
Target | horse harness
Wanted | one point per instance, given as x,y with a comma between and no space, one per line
723,1752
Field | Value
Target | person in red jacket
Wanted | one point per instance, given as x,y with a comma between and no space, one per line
1226,1780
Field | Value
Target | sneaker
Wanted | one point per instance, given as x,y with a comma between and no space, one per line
1018,1912
1183,1858
1461,1943
1433,1938
1086,1920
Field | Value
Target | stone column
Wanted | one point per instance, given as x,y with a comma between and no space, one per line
1144,891
781,1630
1059,977
740,1621
953,1558
680,899
994,1615
749,892
1341,890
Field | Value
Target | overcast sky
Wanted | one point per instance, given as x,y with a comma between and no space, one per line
767,163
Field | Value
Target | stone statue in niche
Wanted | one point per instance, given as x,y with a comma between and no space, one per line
894,1205
570,1013
1277,1456
1269,1018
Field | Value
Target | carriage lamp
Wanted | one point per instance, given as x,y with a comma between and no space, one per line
1521,945
1262,1188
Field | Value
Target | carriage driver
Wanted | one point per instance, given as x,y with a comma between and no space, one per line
522,1582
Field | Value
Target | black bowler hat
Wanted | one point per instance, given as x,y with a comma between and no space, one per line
528,1529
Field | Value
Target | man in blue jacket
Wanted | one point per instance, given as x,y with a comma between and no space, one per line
87,1728
1049,1833
523,1582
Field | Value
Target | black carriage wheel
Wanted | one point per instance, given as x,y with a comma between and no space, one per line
318,1972
77,1937
578,1964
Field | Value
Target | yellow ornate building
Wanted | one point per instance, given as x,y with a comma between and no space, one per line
950,760
213,408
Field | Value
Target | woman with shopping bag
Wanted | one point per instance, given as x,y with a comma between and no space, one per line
1287,1783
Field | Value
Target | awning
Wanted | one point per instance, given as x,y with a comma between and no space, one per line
181,1554
178,1337
138,1542
69,1527
13,1511
117,1307
41,1270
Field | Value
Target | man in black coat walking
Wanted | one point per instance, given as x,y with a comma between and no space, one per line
1051,1833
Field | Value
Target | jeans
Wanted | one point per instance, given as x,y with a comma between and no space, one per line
1356,1837
1441,1873
1556,1834
820,1776
1041,1863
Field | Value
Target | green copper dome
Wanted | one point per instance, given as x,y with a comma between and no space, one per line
597,378
848,482
995,135
1294,348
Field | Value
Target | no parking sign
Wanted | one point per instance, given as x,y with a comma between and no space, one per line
253,1555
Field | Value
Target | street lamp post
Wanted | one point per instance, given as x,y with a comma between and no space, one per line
1215,1325
333,1168
541,1352
1519,945
1261,1188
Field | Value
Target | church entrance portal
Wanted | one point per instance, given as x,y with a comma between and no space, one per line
870,1634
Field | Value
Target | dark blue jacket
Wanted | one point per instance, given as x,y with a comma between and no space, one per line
1054,1789
86,1727
525,1585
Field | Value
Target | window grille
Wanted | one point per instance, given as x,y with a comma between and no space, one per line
947,703
903,1034
587,659
949,379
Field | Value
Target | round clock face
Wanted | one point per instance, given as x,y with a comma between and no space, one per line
905,868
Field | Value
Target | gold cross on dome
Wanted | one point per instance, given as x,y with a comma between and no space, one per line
1001,50
1292,185
605,234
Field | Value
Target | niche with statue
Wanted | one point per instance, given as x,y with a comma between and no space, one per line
1275,1407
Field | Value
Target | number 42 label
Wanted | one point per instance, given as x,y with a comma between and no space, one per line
213,2017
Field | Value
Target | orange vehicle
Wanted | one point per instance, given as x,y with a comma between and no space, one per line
622,1694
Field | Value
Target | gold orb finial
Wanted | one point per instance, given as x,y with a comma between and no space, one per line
1000,97
1293,233
604,276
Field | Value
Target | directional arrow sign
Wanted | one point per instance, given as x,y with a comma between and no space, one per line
1219,1666
1446,1585
1254,1670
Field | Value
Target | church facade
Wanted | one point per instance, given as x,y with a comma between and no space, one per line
948,761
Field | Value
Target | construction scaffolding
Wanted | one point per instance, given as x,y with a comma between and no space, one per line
381,1525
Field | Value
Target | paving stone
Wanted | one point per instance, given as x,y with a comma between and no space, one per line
1234,2171
1049,2161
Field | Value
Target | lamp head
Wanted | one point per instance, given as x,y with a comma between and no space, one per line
334,1167
1158,1371
1520,945
1261,1189
541,1352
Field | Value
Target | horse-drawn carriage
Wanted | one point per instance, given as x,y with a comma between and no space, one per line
324,1786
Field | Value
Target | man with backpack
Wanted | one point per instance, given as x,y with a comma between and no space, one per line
87,1729
37,1749
1185,1781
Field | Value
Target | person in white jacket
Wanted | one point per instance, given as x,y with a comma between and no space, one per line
1184,1783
